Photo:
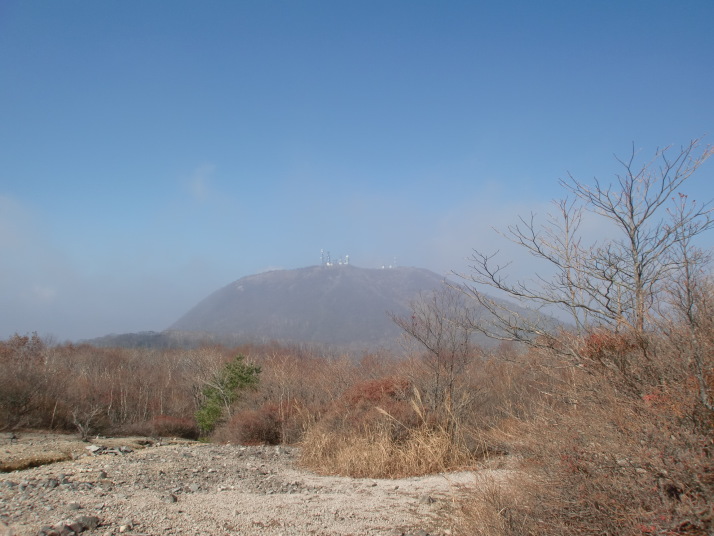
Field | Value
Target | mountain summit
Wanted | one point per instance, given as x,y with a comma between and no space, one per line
340,305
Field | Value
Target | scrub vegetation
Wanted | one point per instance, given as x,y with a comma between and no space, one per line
606,422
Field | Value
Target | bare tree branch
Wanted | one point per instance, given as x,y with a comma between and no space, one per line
616,283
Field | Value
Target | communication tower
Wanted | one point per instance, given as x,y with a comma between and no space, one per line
326,259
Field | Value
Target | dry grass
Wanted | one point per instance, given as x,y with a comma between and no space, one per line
501,509
35,460
374,453
371,441
603,463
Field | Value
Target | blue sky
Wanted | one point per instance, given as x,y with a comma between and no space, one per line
152,152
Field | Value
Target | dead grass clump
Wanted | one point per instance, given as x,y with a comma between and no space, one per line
503,509
372,452
375,430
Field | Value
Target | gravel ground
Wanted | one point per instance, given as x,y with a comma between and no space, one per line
193,488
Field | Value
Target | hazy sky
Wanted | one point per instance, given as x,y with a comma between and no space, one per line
152,152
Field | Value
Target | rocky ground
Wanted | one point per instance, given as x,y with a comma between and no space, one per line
181,488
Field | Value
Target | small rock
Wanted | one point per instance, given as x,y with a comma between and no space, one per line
74,506
61,529
87,522
75,527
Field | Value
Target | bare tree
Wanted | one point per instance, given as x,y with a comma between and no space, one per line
86,418
633,267
442,326
691,300
615,283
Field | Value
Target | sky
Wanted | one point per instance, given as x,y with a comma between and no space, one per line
152,152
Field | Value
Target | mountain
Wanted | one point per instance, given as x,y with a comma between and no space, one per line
338,305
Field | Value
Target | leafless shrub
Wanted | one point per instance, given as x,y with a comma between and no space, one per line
594,460
270,424
87,420
22,383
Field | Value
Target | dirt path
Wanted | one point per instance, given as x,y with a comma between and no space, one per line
193,488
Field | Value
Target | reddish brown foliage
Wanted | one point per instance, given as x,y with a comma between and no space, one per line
252,427
377,391
604,344
168,426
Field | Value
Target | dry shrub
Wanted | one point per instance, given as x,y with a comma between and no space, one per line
140,429
23,382
162,426
377,391
598,461
270,424
250,427
293,418
168,426
375,430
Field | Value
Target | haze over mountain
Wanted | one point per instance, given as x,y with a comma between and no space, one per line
332,306
341,305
